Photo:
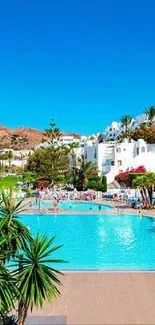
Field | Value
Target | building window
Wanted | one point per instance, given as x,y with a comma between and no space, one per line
95,154
112,163
124,149
143,149
119,163
118,150
137,151
85,154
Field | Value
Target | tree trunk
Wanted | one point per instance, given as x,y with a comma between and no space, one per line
150,194
22,312
142,194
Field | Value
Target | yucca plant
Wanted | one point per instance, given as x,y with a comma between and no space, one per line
32,280
8,285
16,232
37,281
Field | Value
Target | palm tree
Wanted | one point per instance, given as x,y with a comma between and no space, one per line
16,232
84,169
145,183
150,113
140,183
100,138
126,121
72,147
10,156
37,281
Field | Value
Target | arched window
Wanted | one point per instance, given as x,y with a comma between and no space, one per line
118,150
95,154
137,151
143,149
85,154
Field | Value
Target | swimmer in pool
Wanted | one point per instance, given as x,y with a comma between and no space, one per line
140,214
99,207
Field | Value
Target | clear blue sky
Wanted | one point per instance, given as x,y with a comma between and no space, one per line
84,63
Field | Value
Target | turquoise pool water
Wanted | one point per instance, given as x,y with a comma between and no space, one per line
99,242
76,206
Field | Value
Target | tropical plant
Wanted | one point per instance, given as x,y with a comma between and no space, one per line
84,168
51,161
73,147
100,138
32,280
37,281
145,184
8,288
150,113
146,133
126,121
17,234
53,133
10,156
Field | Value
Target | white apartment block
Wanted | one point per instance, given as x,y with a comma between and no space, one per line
116,128
112,158
66,140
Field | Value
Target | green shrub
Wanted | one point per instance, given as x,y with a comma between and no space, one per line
94,178
60,178
132,176
96,186
104,183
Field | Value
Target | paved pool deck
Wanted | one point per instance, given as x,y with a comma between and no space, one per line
105,298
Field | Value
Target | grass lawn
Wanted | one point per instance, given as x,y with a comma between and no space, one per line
9,181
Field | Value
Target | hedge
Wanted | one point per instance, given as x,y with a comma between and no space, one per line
94,178
96,186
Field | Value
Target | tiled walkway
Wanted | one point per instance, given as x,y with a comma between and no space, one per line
105,298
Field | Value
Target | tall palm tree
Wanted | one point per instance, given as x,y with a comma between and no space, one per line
10,156
72,150
150,113
37,281
126,121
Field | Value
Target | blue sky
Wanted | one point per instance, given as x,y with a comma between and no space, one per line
83,63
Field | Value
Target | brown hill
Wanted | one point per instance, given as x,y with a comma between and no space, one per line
22,138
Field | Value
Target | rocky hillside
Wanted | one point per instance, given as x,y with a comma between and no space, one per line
22,138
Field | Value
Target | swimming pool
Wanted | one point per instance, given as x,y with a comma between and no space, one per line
99,242
76,206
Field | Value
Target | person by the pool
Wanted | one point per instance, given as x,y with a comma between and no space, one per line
55,204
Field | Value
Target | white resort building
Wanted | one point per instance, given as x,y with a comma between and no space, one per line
112,158
116,128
